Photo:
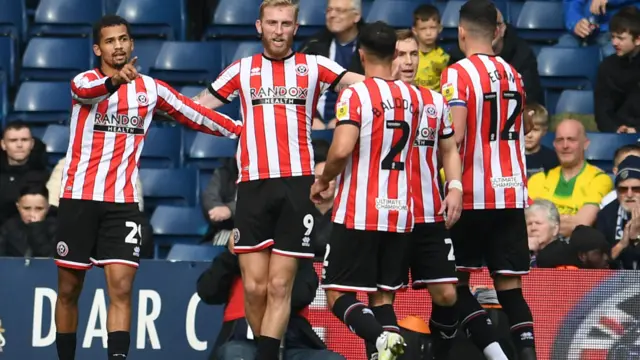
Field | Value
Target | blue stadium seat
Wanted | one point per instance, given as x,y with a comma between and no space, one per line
147,52
607,50
311,17
567,68
177,224
397,13
244,49
366,7
8,58
13,19
185,252
56,138
165,19
42,103
204,151
450,15
65,18
55,59
231,109
575,102
168,187
540,21
162,147
110,6
4,97
187,62
234,19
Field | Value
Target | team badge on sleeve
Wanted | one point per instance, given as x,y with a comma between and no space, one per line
447,91
343,110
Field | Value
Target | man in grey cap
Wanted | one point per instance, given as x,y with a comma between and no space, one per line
620,220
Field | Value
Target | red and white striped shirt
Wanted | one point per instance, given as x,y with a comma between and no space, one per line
435,124
374,188
108,127
278,99
494,172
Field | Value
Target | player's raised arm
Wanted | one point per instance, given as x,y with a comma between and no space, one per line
89,88
455,92
194,115
223,90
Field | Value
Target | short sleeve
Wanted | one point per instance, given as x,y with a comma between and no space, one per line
348,108
227,85
329,72
454,88
599,187
535,186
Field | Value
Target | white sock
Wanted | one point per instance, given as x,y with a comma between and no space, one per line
494,352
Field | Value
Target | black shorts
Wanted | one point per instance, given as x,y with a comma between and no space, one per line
495,237
359,260
430,256
98,233
275,213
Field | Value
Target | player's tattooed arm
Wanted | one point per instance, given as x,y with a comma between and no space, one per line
347,80
207,99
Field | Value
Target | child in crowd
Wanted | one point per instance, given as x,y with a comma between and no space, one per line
539,158
433,59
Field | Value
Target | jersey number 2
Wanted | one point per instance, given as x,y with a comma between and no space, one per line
388,163
505,133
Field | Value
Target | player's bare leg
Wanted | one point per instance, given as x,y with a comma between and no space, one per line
255,277
476,320
361,320
444,317
282,272
119,284
509,291
70,282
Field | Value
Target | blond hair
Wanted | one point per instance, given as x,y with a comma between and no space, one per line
275,3
539,115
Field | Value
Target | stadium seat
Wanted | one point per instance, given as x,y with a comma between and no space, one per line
185,252
147,51
541,21
234,19
42,103
110,6
397,13
168,187
575,102
55,59
204,151
13,19
177,224
568,67
162,147
65,18
244,49
231,109
8,58
187,62
165,19
56,139
4,97
450,17
311,17
607,50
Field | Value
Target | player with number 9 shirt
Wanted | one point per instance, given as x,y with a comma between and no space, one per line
486,95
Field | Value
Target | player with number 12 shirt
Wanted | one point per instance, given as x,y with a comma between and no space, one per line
486,95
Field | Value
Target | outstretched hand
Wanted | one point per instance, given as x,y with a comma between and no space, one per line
127,74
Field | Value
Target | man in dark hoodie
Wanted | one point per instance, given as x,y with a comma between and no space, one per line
516,52
222,284
22,160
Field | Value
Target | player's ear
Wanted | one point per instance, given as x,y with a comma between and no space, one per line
259,28
361,53
96,50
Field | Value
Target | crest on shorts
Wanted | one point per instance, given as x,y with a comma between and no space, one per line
302,69
235,235
62,248
447,91
431,110
142,99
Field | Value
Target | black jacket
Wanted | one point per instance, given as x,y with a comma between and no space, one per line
221,191
18,239
617,93
320,43
611,221
214,287
516,52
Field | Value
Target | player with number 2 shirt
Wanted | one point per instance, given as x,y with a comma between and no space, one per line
486,96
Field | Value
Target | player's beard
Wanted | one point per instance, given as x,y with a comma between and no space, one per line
118,64
277,52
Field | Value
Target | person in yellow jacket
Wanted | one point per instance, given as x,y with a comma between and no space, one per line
575,187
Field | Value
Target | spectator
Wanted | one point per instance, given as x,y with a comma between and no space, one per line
587,249
31,234
432,58
338,42
575,187
222,284
517,52
620,220
322,223
620,154
543,226
18,165
219,202
539,157
617,94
